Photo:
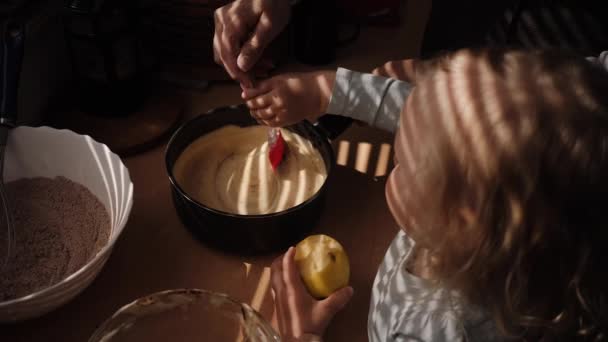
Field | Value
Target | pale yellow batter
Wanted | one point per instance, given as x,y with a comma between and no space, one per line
228,169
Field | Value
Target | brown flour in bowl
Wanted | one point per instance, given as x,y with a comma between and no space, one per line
59,226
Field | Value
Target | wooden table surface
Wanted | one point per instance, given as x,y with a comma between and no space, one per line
157,253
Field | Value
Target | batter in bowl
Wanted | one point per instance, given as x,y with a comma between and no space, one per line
228,170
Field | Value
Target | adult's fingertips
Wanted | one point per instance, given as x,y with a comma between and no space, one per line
252,49
228,44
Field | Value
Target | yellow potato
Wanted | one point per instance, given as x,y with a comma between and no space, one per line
323,265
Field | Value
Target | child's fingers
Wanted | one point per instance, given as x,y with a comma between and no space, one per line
275,122
380,71
267,114
255,114
259,102
270,123
404,70
260,89
276,277
337,301
291,275
261,122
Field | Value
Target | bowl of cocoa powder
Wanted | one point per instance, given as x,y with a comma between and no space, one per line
70,198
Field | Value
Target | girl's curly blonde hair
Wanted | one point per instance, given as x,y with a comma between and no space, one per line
533,247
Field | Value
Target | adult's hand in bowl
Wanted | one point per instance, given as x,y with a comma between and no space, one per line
243,29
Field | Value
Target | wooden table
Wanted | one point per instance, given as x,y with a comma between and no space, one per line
157,253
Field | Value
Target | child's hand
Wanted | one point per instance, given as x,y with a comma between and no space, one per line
404,70
288,99
299,313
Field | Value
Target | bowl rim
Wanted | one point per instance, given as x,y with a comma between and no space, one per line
175,185
245,308
102,253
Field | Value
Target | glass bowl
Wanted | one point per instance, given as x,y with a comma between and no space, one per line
185,315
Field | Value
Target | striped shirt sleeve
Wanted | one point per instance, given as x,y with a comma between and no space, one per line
601,60
372,99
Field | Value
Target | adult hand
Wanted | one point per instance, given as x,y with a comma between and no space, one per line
243,29
290,98
298,313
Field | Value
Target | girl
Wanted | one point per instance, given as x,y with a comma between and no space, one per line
499,186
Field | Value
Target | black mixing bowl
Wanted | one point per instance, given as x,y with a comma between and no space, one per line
249,234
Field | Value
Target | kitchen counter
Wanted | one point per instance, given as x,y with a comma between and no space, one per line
157,253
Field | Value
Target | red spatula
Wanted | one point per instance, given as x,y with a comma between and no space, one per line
276,144
276,147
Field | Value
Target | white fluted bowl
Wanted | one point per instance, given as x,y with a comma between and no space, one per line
48,152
